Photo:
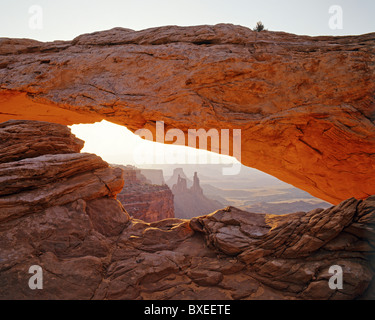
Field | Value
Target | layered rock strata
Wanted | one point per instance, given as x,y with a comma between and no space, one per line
64,218
143,200
305,105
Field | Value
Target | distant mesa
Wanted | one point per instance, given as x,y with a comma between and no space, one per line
251,190
285,207
155,176
178,172
142,198
191,202
145,195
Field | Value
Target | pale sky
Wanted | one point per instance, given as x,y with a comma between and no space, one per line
64,20
116,144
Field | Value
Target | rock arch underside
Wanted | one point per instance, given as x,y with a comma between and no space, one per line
306,110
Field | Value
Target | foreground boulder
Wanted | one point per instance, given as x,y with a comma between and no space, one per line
305,105
58,211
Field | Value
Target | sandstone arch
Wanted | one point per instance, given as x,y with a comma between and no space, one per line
305,104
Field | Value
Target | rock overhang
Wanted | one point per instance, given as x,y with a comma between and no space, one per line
305,105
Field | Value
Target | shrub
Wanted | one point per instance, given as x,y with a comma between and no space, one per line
259,27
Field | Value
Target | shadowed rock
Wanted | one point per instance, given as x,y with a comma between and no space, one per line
64,218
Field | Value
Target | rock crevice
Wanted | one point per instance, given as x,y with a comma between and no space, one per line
88,247
305,105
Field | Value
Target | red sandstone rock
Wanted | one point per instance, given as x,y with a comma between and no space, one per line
305,105
19,141
89,247
143,200
300,246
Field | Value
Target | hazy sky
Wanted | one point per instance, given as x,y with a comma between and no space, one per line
116,144
64,20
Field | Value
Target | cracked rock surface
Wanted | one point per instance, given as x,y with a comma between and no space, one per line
305,105
58,210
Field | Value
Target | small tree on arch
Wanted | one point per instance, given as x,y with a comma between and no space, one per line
259,27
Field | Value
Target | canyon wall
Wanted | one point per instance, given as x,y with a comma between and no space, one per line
305,105
143,200
58,211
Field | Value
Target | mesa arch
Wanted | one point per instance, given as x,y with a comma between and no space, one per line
305,105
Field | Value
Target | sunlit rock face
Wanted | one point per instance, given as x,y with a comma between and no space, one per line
58,210
41,167
305,105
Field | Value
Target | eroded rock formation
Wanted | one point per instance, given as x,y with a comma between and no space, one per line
191,202
143,200
40,167
294,252
58,211
305,105
155,176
